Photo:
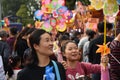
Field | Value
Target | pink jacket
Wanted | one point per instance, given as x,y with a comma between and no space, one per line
83,68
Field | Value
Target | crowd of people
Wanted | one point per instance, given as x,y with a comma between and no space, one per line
32,54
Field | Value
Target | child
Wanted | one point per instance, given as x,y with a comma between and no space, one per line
75,69
14,67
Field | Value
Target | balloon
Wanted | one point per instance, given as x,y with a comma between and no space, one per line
62,10
53,22
38,14
61,27
46,26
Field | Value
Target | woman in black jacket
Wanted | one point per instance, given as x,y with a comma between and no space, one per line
42,68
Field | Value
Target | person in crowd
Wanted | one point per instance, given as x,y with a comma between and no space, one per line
62,39
2,72
76,70
27,53
21,43
83,40
99,40
114,57
13,67
27,57
76,36
41,67
92,35
4,48
12,37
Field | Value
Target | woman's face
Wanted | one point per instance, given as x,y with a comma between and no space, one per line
45,46
72,52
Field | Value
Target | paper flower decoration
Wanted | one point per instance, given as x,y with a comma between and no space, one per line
61,19
68,14
110,8
45,16
38,14
55,14
103,49
61,27
53,22
97,4
62,10
38,24
46,26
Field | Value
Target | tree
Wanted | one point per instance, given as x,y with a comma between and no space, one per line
11,6
22,12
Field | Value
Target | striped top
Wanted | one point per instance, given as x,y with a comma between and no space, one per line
115,66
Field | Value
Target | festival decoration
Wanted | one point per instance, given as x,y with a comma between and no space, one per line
103,49
54,15
46,26
53,22
61,27
97,4
110,8
38,24
38,14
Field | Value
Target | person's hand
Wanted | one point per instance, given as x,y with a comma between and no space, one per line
104,61
64,64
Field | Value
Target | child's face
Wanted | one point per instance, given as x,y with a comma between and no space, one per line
72,52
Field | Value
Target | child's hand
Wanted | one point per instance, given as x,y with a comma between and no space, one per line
104,61
64,64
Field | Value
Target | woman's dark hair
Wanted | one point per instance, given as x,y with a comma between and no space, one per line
35,38
13,30
30,31
14,60
19,37
62,38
